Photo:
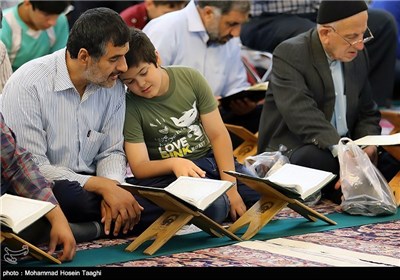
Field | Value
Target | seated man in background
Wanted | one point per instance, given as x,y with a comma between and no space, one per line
320,91
33,29
21,176
274,21
140,14
68,110
204,36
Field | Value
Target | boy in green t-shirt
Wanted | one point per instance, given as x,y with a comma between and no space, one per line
173,128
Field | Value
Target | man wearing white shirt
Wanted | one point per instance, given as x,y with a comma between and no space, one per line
204,36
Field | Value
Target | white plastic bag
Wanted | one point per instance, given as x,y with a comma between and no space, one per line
365,190
264,164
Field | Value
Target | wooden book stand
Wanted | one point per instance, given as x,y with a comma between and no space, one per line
249,145
270,203
176,215
15,246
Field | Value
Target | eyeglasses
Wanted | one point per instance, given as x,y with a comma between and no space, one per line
368,36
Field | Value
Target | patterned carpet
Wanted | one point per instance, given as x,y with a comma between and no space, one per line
367,245
382,239
379,239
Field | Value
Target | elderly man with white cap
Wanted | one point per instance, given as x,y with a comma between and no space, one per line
319,91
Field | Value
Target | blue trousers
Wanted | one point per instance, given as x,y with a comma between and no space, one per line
80,205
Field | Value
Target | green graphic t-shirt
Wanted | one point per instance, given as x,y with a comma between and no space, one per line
170,125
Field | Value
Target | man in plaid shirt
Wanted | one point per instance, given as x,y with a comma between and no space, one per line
277,20
21,176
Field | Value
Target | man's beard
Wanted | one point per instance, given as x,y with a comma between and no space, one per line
94,76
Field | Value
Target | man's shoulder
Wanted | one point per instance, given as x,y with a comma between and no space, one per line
38,69
295,44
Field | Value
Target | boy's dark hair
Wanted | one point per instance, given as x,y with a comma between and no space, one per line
94,29
242,6
50,7
171,4
141,49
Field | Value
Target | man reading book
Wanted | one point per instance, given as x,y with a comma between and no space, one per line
21,176
314,101
173,128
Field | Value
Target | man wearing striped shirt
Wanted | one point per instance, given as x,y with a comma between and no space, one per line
68,109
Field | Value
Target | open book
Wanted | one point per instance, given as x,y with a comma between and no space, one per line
379,140
198,192
292,180
17,213
255,92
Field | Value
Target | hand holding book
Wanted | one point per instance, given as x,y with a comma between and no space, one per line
255,93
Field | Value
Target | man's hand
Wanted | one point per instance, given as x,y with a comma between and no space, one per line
118,205
61,234
372,152
243,106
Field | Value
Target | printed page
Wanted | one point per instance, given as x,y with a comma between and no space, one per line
305,180
23,211
379,140
198,191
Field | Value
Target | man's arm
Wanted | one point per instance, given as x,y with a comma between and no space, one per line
22,112
111,158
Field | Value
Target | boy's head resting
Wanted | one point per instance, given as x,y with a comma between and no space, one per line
141,49
144,77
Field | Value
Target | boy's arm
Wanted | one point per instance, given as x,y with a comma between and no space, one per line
142,167
223,153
